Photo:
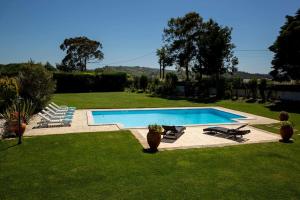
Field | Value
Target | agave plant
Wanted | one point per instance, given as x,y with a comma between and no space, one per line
155,128
27,109
8,115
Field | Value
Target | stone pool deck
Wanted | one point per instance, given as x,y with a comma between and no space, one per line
79,125
193,137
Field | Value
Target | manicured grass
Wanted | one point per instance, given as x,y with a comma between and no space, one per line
112,165
116,100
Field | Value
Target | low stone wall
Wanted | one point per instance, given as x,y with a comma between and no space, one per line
288,95
272,94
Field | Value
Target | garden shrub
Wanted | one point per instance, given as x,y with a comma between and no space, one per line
13,69
237,83
203,85
262,88
50,67
252,84
246,88
155,86
8,91
10,70
228,88
143,82
189,89
136,82
169,87
221,86
78,82
36,84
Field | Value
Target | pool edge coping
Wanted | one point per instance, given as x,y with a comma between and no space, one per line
248,116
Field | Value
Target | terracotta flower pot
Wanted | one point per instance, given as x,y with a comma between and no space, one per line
12,126
22,130
153,139
286,132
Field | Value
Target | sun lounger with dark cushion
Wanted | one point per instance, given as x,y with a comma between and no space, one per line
228,131
173,132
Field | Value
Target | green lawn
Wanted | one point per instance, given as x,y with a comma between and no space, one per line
112,165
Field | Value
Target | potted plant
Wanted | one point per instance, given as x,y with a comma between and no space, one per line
22,123
11,125
286,131
284,116
154,136
11,116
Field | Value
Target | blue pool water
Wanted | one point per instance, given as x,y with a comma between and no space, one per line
142,118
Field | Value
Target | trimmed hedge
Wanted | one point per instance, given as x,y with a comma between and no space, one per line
110,82
80,83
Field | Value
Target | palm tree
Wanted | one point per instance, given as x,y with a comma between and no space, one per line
159,55
164,60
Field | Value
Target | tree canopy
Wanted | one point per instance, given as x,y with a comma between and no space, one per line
286,61
204,47
180,36
214,54
79,50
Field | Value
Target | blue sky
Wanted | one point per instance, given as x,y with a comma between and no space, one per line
131,30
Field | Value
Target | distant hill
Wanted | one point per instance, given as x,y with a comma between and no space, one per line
13,68
138,71
134,71
246,75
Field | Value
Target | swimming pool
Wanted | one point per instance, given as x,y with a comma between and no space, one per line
133,118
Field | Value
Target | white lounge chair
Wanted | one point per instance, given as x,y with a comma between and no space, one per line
61,111
62,106
47,122
53,112
53,116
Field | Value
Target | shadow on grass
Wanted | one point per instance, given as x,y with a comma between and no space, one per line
191,99
251,101
288,106
286,142
150,151
8,147
229,137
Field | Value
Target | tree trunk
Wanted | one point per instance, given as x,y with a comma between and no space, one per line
200,70
200,73
218,84
187,72
163,71
159,70
84,67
